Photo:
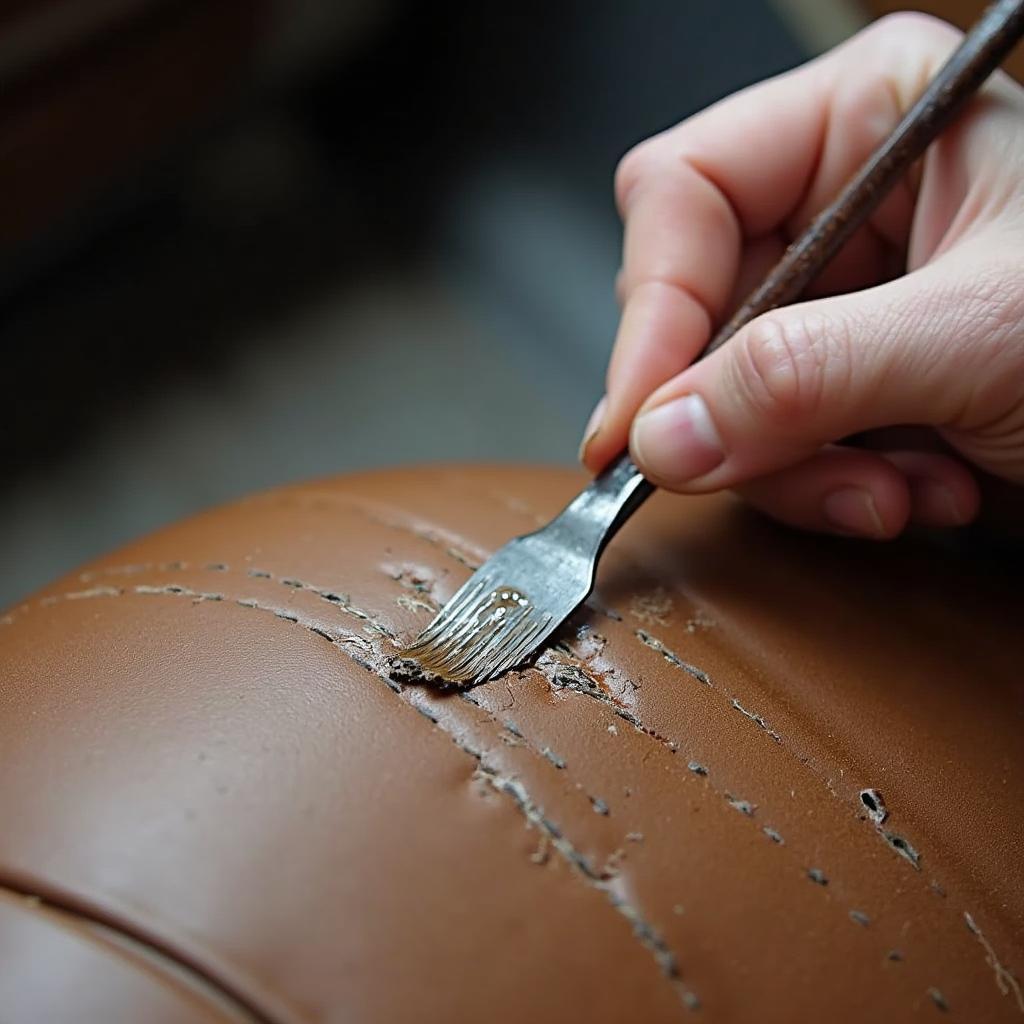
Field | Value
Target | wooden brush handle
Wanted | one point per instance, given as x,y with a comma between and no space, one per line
981,52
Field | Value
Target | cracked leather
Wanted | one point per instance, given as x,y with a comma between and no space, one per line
209,749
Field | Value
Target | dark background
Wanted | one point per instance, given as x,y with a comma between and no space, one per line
245,243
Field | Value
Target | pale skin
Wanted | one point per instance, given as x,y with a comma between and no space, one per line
919,320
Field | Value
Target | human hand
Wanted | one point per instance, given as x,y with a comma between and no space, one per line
710,205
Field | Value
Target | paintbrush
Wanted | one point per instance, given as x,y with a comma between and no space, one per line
510,606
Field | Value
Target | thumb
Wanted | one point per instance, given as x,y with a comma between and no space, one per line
942,346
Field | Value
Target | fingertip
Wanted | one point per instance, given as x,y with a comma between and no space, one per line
943,491
890,498
600,450
936,504
605,435
676,444
841,491
875,512
591,454
593,427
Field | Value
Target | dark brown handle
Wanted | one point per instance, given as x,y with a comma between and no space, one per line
981,52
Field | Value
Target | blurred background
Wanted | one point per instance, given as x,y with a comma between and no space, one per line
244,242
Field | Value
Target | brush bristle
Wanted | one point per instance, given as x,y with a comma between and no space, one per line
482,632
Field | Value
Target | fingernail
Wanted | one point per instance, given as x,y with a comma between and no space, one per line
677,442
852,510
593,426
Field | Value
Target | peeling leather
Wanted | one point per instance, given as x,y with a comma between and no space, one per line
205,745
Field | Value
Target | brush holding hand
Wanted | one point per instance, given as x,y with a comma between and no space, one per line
918,322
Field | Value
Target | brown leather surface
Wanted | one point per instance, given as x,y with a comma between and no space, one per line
202,747
58,969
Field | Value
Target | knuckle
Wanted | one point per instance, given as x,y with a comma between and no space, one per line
912,28
900,52
985,318
632,169
993,298
789,365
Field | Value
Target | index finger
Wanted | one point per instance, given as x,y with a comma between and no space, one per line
738,179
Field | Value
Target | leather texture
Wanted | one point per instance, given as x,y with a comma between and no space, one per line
209,748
